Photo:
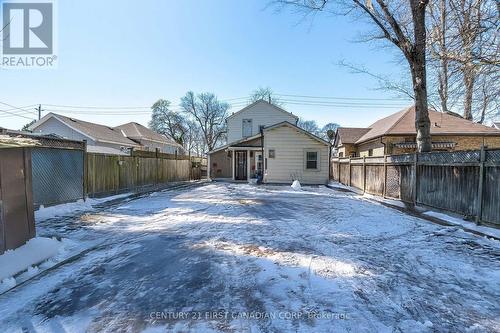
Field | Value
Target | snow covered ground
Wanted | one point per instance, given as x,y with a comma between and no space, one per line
241,258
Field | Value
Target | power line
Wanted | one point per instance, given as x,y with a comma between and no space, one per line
16,114
343,98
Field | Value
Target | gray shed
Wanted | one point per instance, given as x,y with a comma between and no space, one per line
17,222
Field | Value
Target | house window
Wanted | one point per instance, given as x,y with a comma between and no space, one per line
272,153
341,154
370,152
312,160
247,127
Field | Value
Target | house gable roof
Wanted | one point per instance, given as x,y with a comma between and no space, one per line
403,123
137,131
269,128
303,131
95,132
260,101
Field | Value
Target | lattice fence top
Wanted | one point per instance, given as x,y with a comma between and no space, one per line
470,156
493,156
403,158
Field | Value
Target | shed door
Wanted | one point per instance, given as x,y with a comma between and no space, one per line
247,127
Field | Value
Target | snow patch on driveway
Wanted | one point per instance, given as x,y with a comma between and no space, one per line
44,213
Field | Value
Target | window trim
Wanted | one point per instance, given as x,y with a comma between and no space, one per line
318,159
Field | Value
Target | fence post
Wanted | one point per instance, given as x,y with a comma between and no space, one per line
479,210
338,171
415,180
364,174
384,194
85,171
349,179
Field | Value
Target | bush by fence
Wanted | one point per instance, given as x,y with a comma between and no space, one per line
464,182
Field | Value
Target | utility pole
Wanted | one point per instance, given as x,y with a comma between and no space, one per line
39,109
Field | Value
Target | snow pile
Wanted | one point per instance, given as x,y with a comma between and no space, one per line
296,185
44,213
23,258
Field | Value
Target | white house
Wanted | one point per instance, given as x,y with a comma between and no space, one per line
105,139
264,139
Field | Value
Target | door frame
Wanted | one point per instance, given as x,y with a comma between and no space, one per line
243,156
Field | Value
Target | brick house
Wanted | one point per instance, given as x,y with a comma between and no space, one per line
396,134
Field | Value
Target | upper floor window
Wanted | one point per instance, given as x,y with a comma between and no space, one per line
247,127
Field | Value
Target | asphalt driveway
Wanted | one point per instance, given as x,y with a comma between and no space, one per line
239,258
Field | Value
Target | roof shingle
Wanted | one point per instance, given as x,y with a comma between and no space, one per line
349,135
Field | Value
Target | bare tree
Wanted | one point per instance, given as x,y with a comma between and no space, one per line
209,113
437,37
194,140
168,122
402,23
309,125
463,43
265,94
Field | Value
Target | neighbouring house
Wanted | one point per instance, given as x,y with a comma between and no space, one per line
396,134
149,139
264,139
102,138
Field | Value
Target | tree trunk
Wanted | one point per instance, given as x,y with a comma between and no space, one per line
443,75
417,59
469,92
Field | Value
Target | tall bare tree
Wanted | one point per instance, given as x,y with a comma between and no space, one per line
265,94
463,43
209,113
168,122
402,23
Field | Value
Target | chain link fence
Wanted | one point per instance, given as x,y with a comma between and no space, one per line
57,175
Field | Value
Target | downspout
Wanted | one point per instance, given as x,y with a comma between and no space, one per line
384,144
262,152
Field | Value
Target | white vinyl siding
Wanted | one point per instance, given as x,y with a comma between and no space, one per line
261,114
290,160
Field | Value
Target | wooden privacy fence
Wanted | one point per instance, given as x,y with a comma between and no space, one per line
464,182
108,174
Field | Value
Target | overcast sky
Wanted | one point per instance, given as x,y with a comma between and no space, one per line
131,53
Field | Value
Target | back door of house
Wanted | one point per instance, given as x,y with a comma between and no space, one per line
241,165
